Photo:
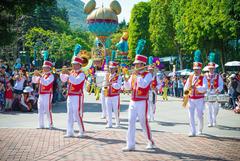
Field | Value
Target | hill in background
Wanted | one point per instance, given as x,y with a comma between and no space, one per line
76,15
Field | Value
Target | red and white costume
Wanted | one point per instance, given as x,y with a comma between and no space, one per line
215,83
75,98
138,107
154,87
196,99
112,97
103,102
45,95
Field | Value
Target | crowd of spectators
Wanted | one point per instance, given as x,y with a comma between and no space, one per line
17,92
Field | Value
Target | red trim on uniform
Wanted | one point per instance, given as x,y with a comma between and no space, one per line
79,114
82,105
50,108
147,125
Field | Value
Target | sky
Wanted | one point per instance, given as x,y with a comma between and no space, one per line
126,5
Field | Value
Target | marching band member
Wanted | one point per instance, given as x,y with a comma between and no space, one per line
196,86
113,83
103,102
154,87
139,82
75,98
45,82
215,86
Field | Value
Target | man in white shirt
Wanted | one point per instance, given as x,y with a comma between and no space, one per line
197,85
215,86
45,81
112,86
139,84
75,99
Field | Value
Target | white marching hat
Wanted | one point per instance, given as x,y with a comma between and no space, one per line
47,64
27,89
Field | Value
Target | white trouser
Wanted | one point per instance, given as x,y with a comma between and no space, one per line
112,104
74,105
45,106
198,105
151,104
213,109
103,104
138,109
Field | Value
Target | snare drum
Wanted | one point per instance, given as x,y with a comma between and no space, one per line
223,98
211,98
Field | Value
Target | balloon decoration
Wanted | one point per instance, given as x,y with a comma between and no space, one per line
122,50
102,21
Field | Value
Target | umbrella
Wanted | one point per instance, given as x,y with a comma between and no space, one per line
233,63
171,74
205,69
185,72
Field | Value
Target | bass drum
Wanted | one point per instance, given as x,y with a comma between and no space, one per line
223,98
211,98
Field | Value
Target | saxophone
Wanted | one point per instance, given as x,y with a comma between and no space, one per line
186,96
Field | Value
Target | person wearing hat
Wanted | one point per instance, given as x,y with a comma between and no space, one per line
45,81
112,86
197,86
103,102
75,98
139,83
27,100
154,87
215,86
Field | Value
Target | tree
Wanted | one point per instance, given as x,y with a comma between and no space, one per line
59,45
138,27
10,12
206,25
161,29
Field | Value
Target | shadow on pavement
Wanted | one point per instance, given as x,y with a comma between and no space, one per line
178,155
88,107
222,127
107,141
212,137
163,123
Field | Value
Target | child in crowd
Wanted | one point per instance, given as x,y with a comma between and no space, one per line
2,95
8,96
237,108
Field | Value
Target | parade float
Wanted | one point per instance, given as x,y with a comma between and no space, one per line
102,22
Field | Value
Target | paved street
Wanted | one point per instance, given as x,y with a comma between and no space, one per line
21,140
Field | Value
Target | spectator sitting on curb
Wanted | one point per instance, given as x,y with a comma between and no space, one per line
27,100
237,108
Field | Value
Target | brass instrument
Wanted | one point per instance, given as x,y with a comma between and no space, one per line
105,91
40,72
186,96
86,56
